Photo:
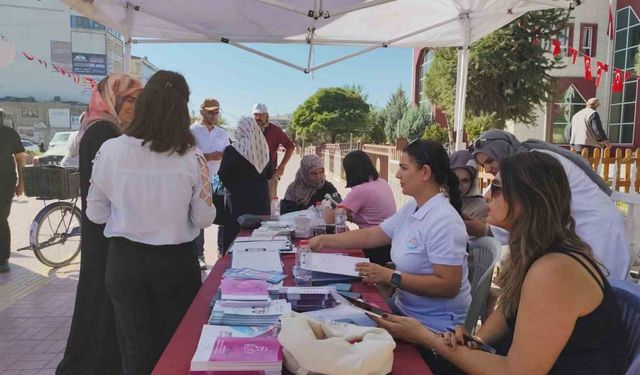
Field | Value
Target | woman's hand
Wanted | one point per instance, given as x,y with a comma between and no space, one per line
475,227
405,328
315,243
453,339
374,273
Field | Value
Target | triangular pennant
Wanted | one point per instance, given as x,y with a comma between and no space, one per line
610,32
27,56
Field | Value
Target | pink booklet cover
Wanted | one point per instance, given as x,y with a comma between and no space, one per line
244,289
247,349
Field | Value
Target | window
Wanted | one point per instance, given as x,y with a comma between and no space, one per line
570,103
622,116
79,22
588,39
566,38
427,60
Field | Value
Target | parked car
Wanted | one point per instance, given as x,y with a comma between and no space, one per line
30,146
60,138
57,150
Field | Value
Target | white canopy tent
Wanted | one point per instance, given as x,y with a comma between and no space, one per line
370,24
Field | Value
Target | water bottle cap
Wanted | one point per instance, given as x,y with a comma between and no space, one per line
304,242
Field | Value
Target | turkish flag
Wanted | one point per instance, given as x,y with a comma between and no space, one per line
573,53
601,67
587,68
610,31
627,75
556,47
617,81
27,56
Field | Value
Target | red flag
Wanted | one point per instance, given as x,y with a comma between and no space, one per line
601,67
627,75
556,47
27,56
573,53
587,68
617,81
610,31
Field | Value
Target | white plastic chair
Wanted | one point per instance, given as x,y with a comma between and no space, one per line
484,253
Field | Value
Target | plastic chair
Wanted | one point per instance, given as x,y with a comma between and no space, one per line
628,295
484,253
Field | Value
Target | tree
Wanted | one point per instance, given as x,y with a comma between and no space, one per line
330,115
435,132
508,71
414,122
394,111
375,128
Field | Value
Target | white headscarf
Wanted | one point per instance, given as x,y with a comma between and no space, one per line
251,143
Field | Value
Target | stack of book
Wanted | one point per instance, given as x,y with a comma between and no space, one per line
245,350
241,292
249,316
304,299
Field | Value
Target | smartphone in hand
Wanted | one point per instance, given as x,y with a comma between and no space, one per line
482,346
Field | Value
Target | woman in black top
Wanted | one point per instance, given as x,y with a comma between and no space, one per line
244,172
92,347
556,310
309,187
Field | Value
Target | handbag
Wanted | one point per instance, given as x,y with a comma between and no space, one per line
316,347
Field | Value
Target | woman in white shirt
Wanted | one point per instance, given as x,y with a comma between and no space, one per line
428,242
151,188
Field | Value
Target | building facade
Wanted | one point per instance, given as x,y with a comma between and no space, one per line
587,33
142,69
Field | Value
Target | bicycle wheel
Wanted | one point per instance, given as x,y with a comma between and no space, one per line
55,234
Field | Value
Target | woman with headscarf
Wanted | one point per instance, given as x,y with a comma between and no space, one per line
244,172
308,187
92,347
474,206
598,221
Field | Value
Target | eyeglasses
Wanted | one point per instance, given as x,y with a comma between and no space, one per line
495,188
479,142
425,159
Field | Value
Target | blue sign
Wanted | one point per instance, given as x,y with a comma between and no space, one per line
89,64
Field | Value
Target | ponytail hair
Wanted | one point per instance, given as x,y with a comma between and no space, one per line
433,154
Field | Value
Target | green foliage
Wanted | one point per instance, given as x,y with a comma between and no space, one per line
508,71
476,125
436,133
394,111
330,115
375,128
638,61
414,122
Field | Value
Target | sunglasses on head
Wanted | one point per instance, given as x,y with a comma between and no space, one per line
495,188
478,143
424,154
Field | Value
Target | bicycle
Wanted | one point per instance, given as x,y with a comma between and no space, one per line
54,235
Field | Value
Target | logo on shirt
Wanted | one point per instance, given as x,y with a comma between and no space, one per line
413,244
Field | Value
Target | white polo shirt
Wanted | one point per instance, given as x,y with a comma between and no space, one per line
434,234
210,141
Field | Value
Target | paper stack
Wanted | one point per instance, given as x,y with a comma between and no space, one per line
249,255
239,292
249,316
308,298
237,350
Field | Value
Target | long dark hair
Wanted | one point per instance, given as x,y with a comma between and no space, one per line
358,168
537,183
432,153
162,115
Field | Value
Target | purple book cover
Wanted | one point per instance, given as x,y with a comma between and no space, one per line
244,287
246,349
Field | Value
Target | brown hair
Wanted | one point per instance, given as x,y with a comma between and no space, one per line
537,183
162,115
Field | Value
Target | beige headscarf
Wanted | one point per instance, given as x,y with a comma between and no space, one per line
251,143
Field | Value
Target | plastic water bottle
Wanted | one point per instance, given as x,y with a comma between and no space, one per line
319,211
275,209
303,258
341,219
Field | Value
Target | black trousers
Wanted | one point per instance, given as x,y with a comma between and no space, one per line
7,190
151,288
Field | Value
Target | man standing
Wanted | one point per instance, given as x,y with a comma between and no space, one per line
275,138
211,140
586,128
11,156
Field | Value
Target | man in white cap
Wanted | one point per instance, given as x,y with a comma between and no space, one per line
275,138
211,140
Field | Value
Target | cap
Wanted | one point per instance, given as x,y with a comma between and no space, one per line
260,108
209,104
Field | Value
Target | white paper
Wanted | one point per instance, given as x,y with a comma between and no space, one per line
334,263
250,255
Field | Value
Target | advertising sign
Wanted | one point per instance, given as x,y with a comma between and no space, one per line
89,64
59,118
61,54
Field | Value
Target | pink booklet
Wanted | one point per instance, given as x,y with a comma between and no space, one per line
243,289
247,349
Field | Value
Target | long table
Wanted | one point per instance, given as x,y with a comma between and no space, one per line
176,357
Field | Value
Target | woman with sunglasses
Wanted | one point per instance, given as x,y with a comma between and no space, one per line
598,221
428,242
557,313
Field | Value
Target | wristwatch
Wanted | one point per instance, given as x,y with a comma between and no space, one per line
396,279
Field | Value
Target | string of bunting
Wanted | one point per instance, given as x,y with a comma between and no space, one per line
77,79
619,77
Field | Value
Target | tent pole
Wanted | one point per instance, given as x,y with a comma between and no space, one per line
461,82
127,25
127,57
606,107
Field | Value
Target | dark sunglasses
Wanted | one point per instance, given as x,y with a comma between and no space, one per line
495,188
478,143
424,154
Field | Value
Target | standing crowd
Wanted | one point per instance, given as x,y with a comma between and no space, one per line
151,182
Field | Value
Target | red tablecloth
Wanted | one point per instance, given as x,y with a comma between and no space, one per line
176,358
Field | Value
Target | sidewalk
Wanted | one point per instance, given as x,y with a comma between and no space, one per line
36,301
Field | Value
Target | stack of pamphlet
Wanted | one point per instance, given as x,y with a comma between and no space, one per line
241,292
308,298
249,316
229,350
